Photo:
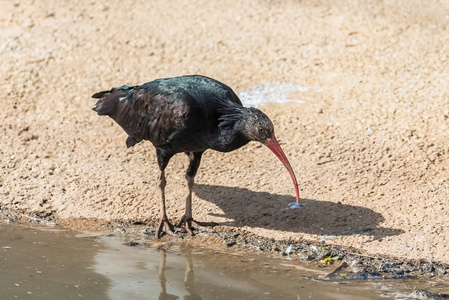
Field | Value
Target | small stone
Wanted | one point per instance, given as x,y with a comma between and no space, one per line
131,244
303,256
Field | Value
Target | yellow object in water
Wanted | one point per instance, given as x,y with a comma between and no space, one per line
328,260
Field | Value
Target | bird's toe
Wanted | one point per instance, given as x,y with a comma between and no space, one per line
201,227
189,224
166,227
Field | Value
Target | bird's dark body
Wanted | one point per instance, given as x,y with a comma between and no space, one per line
180,114
187,114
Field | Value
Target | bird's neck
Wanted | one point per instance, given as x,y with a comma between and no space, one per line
227,142
229,138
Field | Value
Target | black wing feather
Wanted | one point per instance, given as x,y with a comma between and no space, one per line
143,114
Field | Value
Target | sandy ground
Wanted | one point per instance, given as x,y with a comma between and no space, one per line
370,150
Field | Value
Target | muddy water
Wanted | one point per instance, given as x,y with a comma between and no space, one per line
42,262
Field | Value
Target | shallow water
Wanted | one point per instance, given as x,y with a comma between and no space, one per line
42,262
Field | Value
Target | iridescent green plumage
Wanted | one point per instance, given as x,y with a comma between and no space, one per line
187,114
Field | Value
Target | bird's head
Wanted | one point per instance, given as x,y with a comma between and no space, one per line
258,127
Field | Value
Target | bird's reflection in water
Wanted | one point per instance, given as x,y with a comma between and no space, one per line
189,278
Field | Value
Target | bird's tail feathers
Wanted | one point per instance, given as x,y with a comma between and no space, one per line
100,94
109,100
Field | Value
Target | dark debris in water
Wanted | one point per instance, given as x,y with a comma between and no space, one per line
423,294
335,258
131,244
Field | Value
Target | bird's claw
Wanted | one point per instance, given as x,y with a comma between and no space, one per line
189,224
166,227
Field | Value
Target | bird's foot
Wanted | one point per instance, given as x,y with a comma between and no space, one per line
189,224
165,227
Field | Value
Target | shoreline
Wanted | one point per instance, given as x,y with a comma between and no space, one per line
336,261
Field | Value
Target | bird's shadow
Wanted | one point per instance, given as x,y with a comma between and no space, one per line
264,210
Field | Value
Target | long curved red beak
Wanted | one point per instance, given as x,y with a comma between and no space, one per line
274,146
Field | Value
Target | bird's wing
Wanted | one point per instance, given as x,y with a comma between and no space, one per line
144,114
187,109
154,117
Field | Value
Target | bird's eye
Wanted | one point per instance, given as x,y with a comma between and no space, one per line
261,130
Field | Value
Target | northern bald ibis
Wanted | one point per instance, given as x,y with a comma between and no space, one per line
188,114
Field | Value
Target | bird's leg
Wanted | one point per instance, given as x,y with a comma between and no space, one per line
164,224
187,221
